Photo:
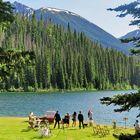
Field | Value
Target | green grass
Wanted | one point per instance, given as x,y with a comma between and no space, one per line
12,128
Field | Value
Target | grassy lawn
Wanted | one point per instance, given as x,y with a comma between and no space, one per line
17,129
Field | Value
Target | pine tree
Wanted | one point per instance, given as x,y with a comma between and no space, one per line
128,101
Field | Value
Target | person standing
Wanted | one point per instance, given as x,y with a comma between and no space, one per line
57,119
68,119
90,117
137,128
81,119
74,115
32,119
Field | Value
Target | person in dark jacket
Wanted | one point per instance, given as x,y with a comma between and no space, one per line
81,119
57,119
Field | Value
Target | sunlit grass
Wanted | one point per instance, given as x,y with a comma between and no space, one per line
12,128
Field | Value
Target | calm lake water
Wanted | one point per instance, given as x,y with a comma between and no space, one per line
20,104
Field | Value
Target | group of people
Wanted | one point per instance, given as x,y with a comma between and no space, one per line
66,119
35,121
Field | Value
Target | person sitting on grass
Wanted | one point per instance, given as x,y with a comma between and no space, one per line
81,119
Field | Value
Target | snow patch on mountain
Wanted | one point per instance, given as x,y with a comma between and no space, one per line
57,10
78,23
25,10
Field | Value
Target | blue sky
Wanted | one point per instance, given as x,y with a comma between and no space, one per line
93,10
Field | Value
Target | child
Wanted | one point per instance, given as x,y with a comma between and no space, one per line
44,132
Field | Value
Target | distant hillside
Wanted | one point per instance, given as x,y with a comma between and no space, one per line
77,22
64,60
135,33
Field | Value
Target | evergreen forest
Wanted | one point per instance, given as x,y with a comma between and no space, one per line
64,59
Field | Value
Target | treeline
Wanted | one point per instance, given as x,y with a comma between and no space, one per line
65,59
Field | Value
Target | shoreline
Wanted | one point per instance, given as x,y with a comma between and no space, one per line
66,91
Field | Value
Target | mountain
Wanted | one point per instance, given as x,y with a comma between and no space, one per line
63,17
63,60
135,33
20,8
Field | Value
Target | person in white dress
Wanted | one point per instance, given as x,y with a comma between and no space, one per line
90,117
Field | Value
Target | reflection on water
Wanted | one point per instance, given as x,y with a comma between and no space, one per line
20,104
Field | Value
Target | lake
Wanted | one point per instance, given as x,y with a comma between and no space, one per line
20,104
